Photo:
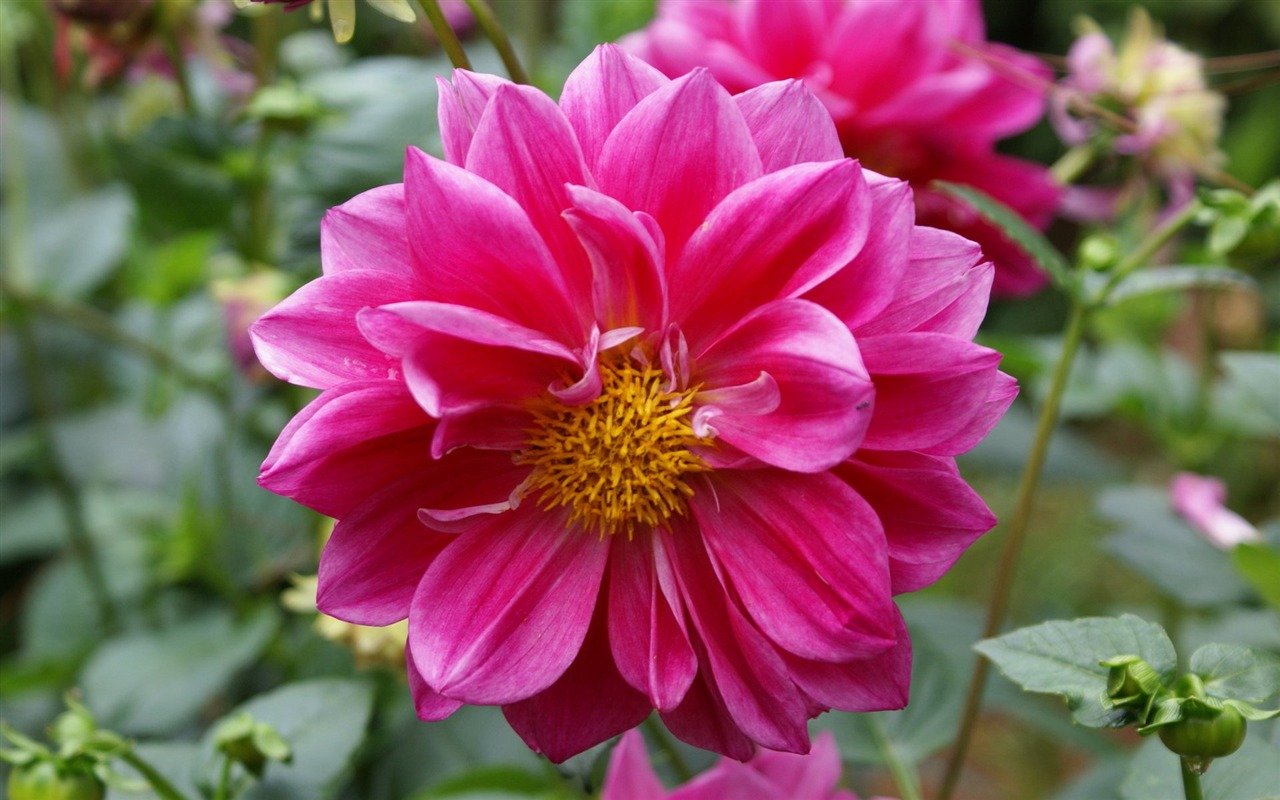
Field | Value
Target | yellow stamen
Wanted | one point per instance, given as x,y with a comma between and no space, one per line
621,460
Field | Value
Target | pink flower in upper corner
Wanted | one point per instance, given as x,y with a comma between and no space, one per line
646,399
1200,500
915,89
768,776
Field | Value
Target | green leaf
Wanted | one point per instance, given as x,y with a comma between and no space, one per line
75,248
1232,672
1251,773
1020,232
1164,279
1245,399
324,722
153,683
1260,566
1062,657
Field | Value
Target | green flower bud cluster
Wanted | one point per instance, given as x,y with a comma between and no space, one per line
1191,722
251,743
77,768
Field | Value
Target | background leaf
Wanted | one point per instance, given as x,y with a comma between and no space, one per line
1232,672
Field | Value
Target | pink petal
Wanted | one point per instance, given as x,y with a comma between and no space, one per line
477,247
1201,501
789,124
929,387
749,674
945,288
629,775
430,705
806,555
677,154
461,105
311,338
824,393
626,262
783,37
879,683
587,705
811,777
346,444
728,779
525,147
1011,100
646,624
816,221
703,721
367,232
601,91
866,285
1002,394
503,611
378,553
930,515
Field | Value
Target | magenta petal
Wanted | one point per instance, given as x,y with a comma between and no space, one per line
807,556
347,443
646,624
782,37
861,289
748,671
789,124
880,683
525,147
677,154
367,232
587,705
824,392
311,338
627,284
430,705
503,611
730,779
476,246
817,221
930,515
702,720
1002,394
812,777
601,91
929,387
461,105
630,775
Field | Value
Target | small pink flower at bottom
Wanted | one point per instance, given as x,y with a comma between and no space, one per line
646,399
768,776
1201,501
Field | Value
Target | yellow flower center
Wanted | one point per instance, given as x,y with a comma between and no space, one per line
621,460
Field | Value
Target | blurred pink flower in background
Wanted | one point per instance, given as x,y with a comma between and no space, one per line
646,399
915,89
1201,501
768,776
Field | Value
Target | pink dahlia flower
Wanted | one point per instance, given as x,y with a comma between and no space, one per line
768,776
1201,501
915,89
646,399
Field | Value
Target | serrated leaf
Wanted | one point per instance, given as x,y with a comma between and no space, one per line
1232,672
1062,657
1260,566
1019,231
1164,279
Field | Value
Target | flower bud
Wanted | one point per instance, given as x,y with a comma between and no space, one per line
251,743
1207,730
45,780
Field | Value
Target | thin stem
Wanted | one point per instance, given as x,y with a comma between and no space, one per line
904,775
1018,524
1072,164
1154,241
1190,782
159,783
182,76
223,792
448,39
493,29
669,749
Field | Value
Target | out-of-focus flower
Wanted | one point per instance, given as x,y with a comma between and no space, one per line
915,89
342,13
243,300
373,646
768,776
1153,83
1200,500
646,399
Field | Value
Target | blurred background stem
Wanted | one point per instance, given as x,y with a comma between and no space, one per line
448,39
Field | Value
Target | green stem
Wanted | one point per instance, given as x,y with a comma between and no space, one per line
904,775
1154,241
448,39
1072,164
223,792
669,749
1018,524
489,24
1190,782
159,783
182,76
